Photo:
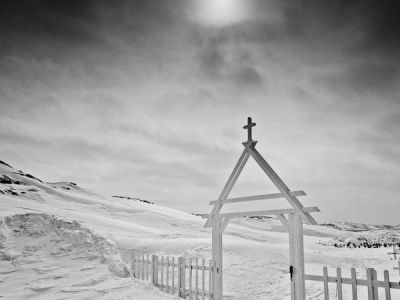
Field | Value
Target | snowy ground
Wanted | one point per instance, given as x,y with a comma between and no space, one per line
77,254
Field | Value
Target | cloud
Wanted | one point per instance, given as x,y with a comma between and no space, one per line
389,124
364,78
57,19
211,59
384,141
175,101
175,173
385,154
84,21
220,60
185,145
248,76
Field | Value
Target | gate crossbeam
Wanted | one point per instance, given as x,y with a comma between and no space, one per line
259,197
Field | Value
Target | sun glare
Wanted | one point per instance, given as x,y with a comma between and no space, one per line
221,12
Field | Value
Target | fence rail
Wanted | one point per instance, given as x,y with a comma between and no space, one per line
189,278
372,283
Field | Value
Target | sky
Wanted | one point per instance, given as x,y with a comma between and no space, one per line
148,98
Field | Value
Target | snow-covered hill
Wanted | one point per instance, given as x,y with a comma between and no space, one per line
61,241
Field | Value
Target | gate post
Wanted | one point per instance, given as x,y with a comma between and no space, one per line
296,245
217,258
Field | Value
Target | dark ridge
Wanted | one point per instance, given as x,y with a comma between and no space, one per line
7,180
11,192
66,185
19,172
331,225
135,199
259,217
32,177
357,227
362,242
6,164
204,216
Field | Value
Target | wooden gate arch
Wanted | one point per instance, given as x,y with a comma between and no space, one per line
292,219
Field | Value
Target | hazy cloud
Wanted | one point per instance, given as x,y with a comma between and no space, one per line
248,76
365,78
211,59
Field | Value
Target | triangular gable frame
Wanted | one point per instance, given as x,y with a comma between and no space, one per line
285,192
294,222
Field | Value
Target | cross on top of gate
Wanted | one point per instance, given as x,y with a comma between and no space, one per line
249,129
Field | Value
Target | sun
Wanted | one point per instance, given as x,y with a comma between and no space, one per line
221,12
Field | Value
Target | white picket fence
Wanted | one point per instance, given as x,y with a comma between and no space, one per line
371,282
189,278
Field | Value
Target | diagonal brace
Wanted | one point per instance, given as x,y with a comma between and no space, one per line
277,181
228,186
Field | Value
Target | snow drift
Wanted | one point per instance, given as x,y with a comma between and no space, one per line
29,234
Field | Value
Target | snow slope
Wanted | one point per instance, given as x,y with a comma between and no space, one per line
84,257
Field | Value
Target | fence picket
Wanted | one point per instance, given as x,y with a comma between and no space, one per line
154,259
182,280
138,270
135,266
139,267
147,267
354,283
190,278
179,276
162,273
209,279
167,274
203,279
374,288
173,275
370,286
143,266
132,264
197,277
326,287
339,283
387,284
